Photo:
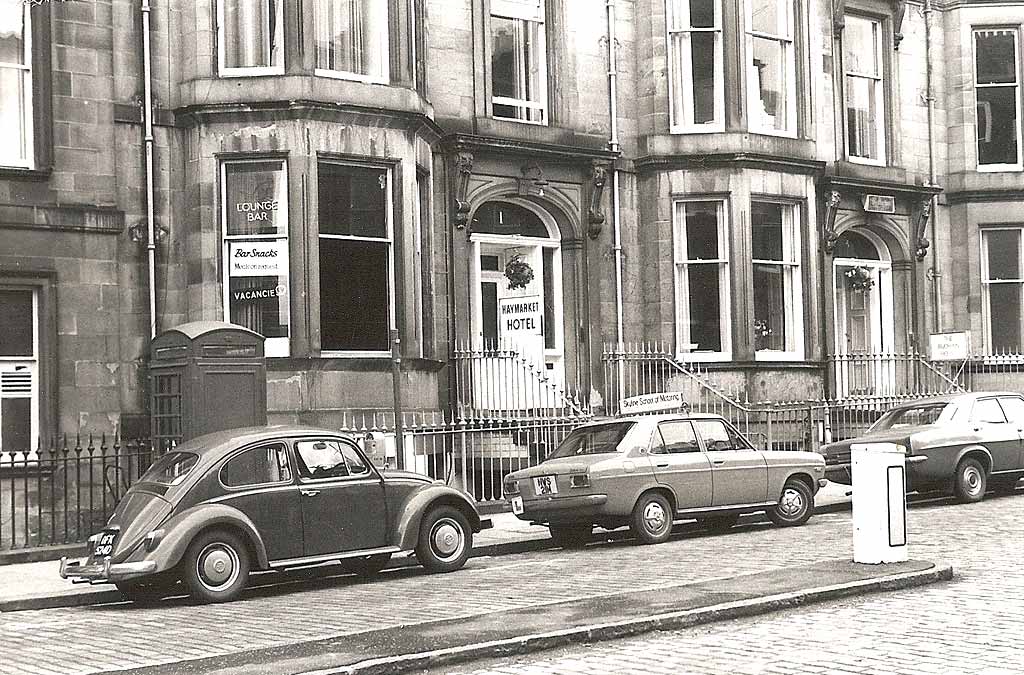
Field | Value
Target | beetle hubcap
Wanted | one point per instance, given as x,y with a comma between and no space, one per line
446,539
654,517
217,566
972,480
792,503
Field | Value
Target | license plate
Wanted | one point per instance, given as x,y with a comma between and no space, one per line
517,505
545,485
104,545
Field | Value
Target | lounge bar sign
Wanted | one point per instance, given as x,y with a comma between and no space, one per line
666,400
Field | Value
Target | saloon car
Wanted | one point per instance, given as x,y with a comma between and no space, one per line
962,442
649,470
267,498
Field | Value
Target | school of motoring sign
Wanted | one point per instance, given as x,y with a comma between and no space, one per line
665,400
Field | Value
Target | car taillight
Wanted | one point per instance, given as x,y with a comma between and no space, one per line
579,480
511,487
152,539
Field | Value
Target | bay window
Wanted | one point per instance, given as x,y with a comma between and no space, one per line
250,37
356,259
352,39
519,88
695,65
864,90
701,261
997,96
1002,281
778,304
16,141
771,71
254,213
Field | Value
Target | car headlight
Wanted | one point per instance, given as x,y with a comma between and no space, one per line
511,487
579,480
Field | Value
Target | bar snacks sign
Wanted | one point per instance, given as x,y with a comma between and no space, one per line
258,258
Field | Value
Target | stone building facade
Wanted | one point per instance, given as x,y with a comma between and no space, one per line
760,184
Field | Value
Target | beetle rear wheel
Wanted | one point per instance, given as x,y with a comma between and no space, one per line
216,566
445,540
367,565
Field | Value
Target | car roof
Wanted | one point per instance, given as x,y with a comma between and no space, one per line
218,442
954,398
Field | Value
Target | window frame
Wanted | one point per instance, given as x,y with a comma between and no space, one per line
1019,165
681,103
300,462
28,161
543,106
790,48
680,281
273,347
386,47
987,282
251,71
389,217
280,446
880,84
37,372
792,251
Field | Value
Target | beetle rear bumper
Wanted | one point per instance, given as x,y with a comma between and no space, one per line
102,573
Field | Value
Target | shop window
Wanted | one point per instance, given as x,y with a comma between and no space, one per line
250,36
864,90
1002,280
519,88
19,369
255,229
701,280
997,95
16,120
356,305
352,38
771,72
778,305
695,65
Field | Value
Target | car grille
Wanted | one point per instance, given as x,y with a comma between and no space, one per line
837,457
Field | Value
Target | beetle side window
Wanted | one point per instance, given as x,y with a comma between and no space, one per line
356,465
257,466
679,437
987,411
321,459
1014,408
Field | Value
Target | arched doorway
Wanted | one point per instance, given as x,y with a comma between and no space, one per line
516,305
864,320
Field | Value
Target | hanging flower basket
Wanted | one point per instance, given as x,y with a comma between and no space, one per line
859,279
518,272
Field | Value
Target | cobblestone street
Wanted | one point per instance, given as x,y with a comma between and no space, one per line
971,625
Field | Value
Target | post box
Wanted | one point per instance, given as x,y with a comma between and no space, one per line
879,503
205,376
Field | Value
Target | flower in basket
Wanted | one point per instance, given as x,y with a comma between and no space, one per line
518,272
859,279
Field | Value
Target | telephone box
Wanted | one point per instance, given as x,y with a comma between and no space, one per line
205,376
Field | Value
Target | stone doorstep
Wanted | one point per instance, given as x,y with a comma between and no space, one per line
435,643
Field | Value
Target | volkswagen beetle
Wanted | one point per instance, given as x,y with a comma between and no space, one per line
214,508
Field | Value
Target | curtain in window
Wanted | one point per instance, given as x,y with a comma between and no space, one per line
252,33
15,73
352,37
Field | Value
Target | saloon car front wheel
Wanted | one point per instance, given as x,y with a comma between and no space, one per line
216,566
445,540
970,482
652,518
795,505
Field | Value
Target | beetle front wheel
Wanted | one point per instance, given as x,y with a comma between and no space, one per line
216,567
445,540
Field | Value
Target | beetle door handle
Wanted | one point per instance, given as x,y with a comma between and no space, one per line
309,493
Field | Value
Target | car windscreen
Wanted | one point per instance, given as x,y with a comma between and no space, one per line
593,440
912,416
171,469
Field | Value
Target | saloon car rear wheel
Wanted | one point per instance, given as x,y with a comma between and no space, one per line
652,518
795,505
216,567
970,482
570,536
367,565
445,540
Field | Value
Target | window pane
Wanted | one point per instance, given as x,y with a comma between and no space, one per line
353,201
353,295
769,77
252,33
16,425
549,298
987,410
702,13
1013,407
766,230
517,67
769,307
489,309
1004,315
352,37
679,437
860,46
701,222
16,315
995,53
769,16
703,62
255,467
321,459
1003,254
862,117
14,139
705,308
12,44
255,198
258,286
508,218
997,125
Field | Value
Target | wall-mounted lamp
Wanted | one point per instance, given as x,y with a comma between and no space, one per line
138,232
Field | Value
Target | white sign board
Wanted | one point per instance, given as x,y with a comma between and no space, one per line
949,346
666,400
258,258
520,316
